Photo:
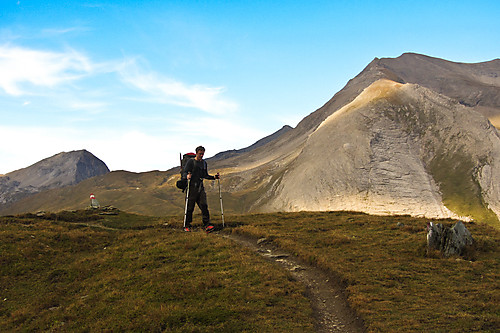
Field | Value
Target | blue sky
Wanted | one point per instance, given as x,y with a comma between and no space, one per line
137,82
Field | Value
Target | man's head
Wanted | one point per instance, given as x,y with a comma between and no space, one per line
200,151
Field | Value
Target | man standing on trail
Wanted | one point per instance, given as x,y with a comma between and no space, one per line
195,171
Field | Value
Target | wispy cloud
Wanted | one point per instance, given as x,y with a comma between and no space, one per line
22,67
48,82
165,90
27,71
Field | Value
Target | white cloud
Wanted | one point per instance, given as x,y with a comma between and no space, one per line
169,91
23,146
49,82
20,66
128,150
91,106
47,33
27,71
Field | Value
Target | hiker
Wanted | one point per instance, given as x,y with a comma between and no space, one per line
195,171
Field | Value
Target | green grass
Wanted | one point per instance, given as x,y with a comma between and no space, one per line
80,276
392,282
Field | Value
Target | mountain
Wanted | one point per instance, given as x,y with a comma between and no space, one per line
460,176
60,170
396,149
408,135
475,85
145,193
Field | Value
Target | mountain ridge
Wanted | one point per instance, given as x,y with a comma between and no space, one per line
235,152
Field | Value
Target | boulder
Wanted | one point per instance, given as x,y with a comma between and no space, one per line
435,234
450,241
457,239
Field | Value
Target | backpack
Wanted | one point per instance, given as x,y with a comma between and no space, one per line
182,183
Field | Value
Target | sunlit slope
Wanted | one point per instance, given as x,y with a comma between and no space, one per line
397,149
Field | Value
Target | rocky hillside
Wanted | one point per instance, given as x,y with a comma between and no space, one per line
474,85
60,170
236,152
397,148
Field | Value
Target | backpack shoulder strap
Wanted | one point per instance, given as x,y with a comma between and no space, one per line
188,167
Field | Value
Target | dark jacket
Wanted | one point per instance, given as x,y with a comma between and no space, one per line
198,170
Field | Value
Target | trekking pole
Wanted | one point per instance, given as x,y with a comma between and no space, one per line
186,208
221,208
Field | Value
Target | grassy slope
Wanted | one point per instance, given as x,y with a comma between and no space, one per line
148,193
143,193
148,276
393,282
74,276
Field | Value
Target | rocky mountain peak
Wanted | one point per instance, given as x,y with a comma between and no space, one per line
63,169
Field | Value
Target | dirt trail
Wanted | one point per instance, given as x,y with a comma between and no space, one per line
328,299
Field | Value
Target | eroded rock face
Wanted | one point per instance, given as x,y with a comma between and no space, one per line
450,241
396,149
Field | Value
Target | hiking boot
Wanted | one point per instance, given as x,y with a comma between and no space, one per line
209,228
187,229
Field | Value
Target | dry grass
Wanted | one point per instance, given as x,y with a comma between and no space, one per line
393,283
78,276
82,272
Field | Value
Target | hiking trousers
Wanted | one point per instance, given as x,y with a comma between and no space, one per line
197,196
